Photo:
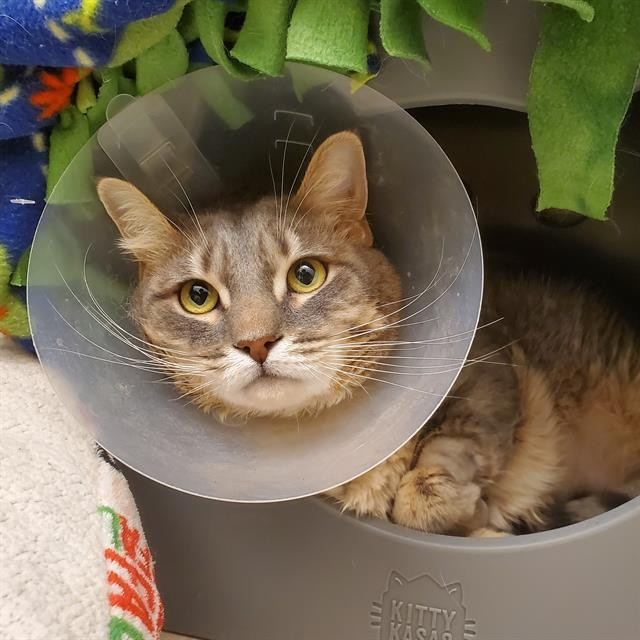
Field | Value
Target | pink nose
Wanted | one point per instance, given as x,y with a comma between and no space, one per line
259,348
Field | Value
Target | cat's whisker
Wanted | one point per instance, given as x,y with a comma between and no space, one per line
149,361
416,370
108,318
396,311
357,354
300,203
150,357
370,360
360,367
176,226
280,222
95,344
396,323
193,391
446,290
275,193
333,203
196,221
394,384
179,229
419,344
437,340
300,165
347,374
107,360
332,379
440,367
359,350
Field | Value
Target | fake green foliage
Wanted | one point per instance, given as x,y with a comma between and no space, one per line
582,8
66,140
582,76
401,29
462,15
582,80
332,33
262,41
164,61
210,18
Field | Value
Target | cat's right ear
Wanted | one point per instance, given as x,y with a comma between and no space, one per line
145,231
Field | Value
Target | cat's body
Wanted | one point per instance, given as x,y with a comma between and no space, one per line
558,419
284,307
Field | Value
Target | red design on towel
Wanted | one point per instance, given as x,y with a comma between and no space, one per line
132,587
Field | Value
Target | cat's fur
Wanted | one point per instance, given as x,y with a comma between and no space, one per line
521,442
557,417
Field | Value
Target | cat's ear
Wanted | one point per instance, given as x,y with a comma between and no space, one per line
145,231
335,185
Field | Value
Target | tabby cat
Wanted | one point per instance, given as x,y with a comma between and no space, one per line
257,296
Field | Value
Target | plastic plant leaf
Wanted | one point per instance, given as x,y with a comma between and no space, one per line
582,80
462,15
401,30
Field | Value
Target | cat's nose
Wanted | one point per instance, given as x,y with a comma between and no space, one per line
259,348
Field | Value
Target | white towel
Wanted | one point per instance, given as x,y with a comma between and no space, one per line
74,562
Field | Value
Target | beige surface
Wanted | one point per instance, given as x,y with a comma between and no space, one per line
172,636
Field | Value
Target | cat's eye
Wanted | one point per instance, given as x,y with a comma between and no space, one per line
306,275
197,296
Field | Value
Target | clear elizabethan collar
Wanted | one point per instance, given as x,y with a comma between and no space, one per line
204,133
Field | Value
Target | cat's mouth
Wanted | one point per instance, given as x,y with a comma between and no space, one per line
271,388
268,377
275,389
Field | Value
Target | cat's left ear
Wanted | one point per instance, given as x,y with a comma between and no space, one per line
335,186
144,229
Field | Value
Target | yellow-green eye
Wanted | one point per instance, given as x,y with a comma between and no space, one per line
306,275
197,296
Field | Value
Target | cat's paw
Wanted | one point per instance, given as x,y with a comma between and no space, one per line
363,499
372,493
430,499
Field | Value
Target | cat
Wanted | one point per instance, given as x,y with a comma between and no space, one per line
243,306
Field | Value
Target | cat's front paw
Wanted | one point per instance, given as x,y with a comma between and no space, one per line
372,493
431,500
363,499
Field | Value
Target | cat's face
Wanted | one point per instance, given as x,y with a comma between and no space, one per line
275,309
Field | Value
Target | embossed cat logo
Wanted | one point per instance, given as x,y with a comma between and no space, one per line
421,609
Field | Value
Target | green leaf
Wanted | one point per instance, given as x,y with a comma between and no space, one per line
582,8
401,30
330,33
19,275
140,35
161,63
262,40
210,16
462,15
582,80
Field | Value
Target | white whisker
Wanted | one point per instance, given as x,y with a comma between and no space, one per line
196,221
280,221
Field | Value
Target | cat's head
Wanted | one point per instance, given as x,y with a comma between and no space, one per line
274,309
